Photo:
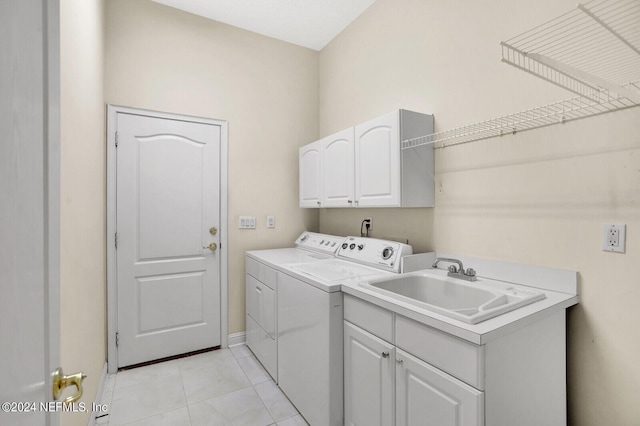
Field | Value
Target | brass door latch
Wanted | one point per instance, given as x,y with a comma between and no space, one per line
212,247
60,381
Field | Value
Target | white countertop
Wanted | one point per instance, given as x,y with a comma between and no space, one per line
559,287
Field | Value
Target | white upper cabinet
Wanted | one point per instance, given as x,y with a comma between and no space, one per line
338,169
364,166
310,158
377,154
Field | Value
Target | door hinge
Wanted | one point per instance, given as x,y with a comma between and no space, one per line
116,239
117,339
116,139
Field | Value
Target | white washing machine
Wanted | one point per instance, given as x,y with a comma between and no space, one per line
261,289
310,327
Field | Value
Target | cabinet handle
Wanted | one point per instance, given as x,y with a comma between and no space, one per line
385,354
399,361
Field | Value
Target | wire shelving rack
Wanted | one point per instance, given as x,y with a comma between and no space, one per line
592,51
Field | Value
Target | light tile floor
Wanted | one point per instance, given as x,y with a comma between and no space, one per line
223,387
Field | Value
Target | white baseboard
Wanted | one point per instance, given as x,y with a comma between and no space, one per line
237,338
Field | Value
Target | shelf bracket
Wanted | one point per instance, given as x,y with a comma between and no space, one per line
522,60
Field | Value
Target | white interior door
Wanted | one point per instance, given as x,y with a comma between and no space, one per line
167,202
29,215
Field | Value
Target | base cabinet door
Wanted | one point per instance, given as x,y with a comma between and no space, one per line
369,388
426,396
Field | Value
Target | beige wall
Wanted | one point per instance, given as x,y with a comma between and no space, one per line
539,197
162,59
82,206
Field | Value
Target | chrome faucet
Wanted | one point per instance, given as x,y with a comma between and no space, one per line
456,272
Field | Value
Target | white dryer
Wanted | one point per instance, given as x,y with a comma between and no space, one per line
261,289
310,323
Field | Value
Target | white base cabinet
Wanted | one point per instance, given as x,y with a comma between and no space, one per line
432,378
386,386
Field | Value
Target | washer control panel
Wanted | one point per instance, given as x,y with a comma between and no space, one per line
373,252
319,242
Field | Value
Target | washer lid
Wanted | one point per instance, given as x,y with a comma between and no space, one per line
334,270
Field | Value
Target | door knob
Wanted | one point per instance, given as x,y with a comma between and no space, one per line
60,381
213,230
212,247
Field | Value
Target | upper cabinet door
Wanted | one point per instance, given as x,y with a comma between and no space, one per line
338,169
310,158
377,162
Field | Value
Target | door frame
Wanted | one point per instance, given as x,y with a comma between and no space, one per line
112,291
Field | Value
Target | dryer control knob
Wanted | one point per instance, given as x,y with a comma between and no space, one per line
387,252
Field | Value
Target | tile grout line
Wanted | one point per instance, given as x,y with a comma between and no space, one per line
253,386
184,393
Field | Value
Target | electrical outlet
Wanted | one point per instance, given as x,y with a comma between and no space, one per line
370,222
614,237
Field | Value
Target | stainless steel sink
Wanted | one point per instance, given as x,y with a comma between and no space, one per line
469,302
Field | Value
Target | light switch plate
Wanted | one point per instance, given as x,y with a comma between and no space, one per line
246,222
271,222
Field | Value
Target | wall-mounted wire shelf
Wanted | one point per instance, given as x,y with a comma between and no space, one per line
592,51
558,112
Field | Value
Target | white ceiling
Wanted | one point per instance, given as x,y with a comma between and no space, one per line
308,23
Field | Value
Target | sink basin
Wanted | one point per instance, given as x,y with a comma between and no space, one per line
469,302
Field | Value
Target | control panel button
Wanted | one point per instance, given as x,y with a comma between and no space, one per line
333,244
